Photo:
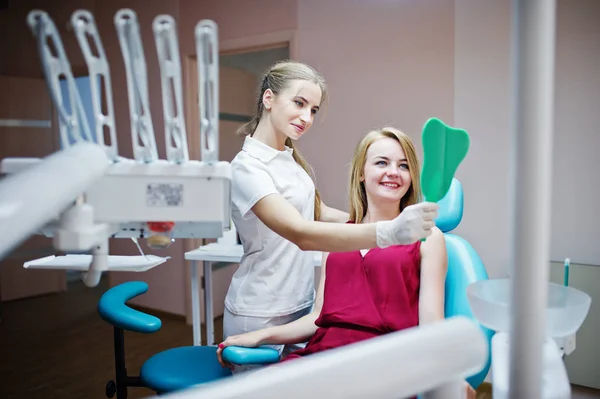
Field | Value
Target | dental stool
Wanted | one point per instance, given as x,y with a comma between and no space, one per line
464,268
167,371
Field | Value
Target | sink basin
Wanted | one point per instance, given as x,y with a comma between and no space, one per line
566,308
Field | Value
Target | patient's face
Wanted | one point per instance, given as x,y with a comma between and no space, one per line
386,173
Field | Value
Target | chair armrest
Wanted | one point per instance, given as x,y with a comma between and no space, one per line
242,355
114,310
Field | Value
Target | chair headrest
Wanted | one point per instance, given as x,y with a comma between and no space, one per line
451,208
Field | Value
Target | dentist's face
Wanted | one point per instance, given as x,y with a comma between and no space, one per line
293,110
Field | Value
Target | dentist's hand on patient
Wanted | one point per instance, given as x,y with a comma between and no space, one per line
249,340
414,223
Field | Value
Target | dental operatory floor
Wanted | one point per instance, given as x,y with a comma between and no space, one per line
56,346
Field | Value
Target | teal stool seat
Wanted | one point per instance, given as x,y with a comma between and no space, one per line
183,367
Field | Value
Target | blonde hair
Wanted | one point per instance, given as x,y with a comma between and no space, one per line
277,78
358,194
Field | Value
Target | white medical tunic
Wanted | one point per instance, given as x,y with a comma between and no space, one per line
275,277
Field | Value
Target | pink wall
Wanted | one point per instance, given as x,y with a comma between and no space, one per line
481,106
575,216
386,63
236,19
17,43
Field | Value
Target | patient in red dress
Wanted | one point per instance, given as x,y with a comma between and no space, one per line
368,293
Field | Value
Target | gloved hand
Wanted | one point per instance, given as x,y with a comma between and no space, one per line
413,223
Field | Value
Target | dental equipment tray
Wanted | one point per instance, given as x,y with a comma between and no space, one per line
116,263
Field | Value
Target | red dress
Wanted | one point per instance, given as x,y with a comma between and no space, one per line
366,297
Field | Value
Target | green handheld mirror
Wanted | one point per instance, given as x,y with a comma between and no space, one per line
444,148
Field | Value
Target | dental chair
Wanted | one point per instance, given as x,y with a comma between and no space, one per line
464,267
183,367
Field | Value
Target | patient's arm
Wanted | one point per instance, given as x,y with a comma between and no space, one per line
297,331
300,330
333,215
434,265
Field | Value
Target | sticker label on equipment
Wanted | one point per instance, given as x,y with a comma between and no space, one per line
164,194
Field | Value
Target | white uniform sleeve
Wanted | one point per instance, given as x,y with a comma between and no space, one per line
250,183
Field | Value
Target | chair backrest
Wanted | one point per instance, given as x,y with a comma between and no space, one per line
464,266
113,308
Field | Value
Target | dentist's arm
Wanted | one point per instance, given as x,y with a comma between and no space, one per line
415,222
253,190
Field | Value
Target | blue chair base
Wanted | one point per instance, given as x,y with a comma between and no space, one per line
123,381
181,368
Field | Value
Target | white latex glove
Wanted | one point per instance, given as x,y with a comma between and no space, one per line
414,223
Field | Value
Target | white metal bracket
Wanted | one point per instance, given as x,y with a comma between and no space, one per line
55,65
167,47
142,131
207,50
85,29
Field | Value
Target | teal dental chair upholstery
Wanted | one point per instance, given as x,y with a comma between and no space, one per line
464,267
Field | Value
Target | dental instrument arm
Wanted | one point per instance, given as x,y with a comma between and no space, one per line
72,124
167,47
142,130
84,26
207,50
194,196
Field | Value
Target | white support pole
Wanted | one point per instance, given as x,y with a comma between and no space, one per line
196,321
533,74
